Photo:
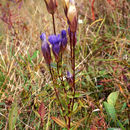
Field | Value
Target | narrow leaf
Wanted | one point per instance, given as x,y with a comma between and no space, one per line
75,106
114,129
42,111
34,55
82,94
121,125
13,113
59,122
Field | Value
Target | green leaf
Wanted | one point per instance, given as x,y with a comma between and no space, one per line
75,106
64,129
53,65
82,94
69,96
126,122
110,110
13,113
114,129
63,102
112,98
34,54
121,125
124,106
36,113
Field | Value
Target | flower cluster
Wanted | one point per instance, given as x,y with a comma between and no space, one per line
58,42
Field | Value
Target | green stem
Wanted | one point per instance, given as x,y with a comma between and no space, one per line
56,91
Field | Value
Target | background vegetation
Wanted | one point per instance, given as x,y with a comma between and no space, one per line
102,65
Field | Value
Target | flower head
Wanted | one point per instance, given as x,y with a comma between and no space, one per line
55,41
63,34
63,40
45,49
51,5
72,16
43,37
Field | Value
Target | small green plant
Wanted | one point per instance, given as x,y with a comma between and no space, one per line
110,108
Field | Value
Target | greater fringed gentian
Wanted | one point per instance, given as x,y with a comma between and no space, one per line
55,41
45,49
63,40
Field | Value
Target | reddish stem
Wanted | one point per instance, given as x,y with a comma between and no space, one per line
73,68
92,9
54,28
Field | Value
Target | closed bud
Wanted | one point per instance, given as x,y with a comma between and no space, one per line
51,5
69,78
72,16
45,49
66,6
63,40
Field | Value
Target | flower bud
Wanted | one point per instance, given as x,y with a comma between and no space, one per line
69,78
55,41
45,49
72,16
63,40
51,5
66,6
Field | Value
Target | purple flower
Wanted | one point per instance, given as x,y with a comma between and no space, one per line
55,41
43,37
63,40
45,49
69,78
